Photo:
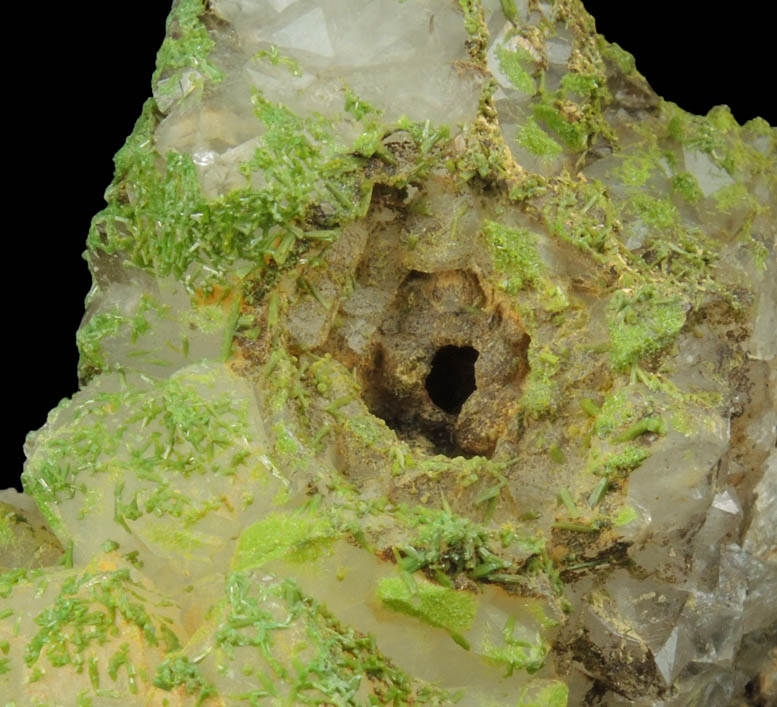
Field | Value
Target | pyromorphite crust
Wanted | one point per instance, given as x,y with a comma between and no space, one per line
642,323
435,605
259,494
281,534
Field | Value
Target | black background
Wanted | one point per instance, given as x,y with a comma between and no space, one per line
76,76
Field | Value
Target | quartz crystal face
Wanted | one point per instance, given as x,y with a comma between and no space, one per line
430,359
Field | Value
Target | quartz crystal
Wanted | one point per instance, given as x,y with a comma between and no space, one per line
430,359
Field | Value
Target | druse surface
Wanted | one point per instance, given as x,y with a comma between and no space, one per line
430,359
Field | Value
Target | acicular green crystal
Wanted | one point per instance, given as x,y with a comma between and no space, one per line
421,366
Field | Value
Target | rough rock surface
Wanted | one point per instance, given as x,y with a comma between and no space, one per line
427,364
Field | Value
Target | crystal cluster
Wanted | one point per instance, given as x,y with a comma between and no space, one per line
430,359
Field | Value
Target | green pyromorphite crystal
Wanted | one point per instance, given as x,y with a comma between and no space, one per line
394,336
431,603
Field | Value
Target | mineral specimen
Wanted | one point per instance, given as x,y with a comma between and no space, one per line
433,365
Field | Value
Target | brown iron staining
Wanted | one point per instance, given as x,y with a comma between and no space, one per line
403,299
442,372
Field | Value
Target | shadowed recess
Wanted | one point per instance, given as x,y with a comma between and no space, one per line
452,378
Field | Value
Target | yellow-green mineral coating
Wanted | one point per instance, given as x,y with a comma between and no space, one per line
296,535
242,409
435,605
514,251
512,63
544,693
642,324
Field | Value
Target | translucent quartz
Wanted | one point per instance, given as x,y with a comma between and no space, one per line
257,495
